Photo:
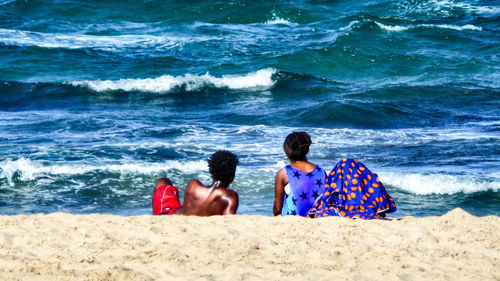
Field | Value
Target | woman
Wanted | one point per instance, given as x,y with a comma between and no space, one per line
298,184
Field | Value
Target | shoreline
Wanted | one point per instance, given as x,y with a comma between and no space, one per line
61,246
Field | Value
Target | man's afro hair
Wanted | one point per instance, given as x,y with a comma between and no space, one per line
222,165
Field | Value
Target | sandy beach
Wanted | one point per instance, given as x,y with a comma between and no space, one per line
60,246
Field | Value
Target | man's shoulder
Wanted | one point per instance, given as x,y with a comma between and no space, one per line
193,186
226,192
194,183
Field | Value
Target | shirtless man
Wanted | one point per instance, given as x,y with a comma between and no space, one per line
201,200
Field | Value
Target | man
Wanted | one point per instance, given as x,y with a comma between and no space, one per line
199,199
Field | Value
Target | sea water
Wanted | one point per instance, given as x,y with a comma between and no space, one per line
98,99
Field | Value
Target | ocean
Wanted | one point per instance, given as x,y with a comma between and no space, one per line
98,99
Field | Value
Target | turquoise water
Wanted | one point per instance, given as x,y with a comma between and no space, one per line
100,98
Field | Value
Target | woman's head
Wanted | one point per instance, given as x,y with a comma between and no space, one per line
296,146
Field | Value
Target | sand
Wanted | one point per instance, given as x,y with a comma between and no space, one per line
60,246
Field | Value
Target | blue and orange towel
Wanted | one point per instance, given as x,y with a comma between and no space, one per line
353,191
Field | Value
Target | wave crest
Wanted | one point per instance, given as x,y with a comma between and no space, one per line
105,43
426,184
398,28
166,83
27,169
278,20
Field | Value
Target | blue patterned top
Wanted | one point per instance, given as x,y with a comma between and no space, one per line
304,189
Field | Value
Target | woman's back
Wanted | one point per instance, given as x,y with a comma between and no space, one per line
303,188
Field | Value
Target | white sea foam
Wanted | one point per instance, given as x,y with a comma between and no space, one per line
488,80
412,136
398,28
425,184
79,41
165,83
454,27
445,5
27,169
393,27
278,20
349,26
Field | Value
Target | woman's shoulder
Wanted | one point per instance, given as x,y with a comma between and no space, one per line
281,172
319,168
305,168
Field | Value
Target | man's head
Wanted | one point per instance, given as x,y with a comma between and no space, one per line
296,146
222,166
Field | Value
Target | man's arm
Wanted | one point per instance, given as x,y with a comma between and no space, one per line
232,203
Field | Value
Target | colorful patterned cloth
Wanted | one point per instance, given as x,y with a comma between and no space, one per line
304,188
353,191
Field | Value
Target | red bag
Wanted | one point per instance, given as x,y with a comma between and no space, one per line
166,200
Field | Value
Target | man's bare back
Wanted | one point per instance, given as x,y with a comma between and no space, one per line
201,200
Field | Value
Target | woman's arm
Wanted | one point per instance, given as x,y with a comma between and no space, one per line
279,191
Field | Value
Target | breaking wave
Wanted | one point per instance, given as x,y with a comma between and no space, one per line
426,184
27,169
398,28
166,83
